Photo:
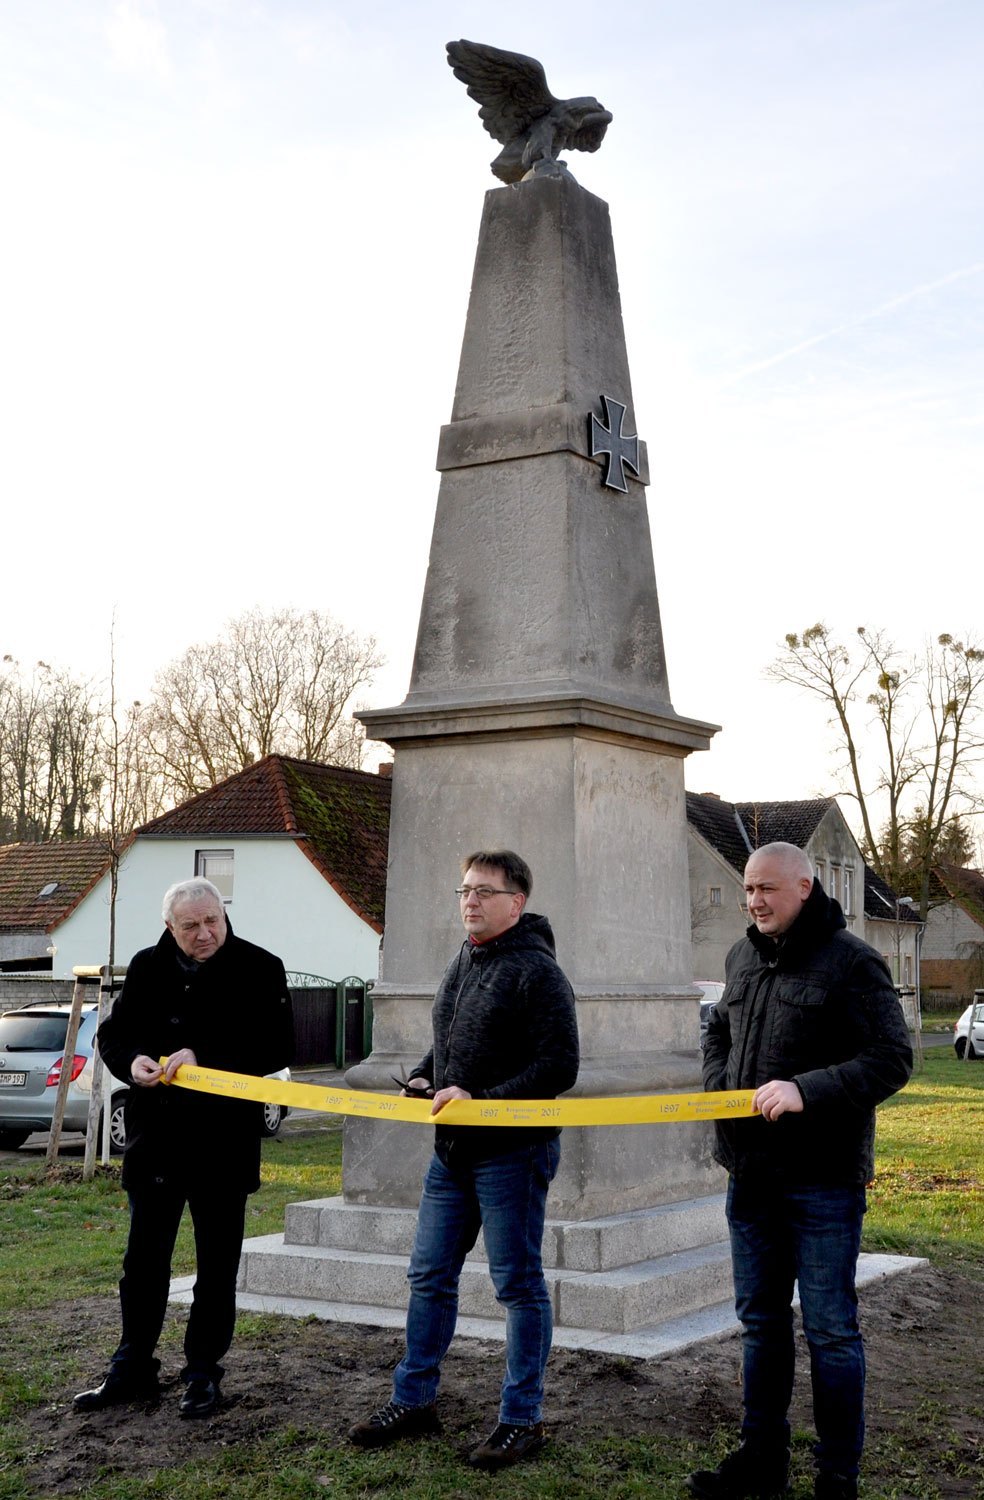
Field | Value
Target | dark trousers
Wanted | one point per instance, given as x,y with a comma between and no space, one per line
810,1236
218,1214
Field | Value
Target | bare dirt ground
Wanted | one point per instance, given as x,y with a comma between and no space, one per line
925,1390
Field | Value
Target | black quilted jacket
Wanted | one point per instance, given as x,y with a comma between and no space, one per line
504,1028
817,1007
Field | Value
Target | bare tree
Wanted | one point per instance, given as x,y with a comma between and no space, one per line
278,682
50,749
910,731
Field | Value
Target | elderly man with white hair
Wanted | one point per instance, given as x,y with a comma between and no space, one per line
200,996
809,1020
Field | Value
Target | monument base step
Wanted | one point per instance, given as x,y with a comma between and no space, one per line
715,1322
600,1244
610,1278
611,1275
615,1301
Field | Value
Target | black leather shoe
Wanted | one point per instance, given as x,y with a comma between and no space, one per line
200,1398
116,1390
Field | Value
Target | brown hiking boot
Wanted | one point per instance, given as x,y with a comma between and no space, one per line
393,1422
507,1445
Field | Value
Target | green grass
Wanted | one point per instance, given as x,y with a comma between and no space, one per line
927,1196
298,1465
301,1465
64,1238
941,1020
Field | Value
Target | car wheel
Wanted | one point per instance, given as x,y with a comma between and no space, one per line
272,1116
960,1047
117,1125
12,1140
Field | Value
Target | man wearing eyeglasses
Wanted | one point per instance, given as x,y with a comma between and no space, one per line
504,1028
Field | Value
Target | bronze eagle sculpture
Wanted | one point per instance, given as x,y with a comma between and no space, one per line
519,110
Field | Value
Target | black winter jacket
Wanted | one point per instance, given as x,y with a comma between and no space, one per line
818,1008
233,1011
504,1028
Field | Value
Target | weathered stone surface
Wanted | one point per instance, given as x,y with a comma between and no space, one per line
539,714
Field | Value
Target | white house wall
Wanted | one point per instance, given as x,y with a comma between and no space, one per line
279,901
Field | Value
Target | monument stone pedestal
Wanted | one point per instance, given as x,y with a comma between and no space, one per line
539,718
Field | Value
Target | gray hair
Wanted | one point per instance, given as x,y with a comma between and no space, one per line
189,890
793,858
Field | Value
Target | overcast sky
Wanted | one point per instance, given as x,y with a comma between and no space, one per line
238,239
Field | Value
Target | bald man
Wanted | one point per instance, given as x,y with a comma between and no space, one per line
810,1020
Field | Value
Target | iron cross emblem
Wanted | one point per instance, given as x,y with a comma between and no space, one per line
607,437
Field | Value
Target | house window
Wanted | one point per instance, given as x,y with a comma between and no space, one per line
822,871
216,865
848,902
908,968
835,882
715,895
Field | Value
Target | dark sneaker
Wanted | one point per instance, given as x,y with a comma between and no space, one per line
393,1422
745,1474
828,1486
507,1445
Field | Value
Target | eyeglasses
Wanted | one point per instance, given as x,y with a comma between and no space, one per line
483,892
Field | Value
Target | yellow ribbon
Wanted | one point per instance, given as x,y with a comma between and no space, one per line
639,1109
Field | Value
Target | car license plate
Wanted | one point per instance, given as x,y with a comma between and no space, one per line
12,1080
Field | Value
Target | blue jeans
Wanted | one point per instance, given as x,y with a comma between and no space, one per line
506,1197
809,1235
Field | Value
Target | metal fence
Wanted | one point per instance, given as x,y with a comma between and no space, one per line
332,1020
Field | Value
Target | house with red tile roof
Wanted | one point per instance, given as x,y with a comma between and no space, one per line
722,835
40,886
298,850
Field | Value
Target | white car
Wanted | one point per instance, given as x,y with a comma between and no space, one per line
962,1027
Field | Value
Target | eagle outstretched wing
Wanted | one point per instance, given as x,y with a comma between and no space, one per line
511,89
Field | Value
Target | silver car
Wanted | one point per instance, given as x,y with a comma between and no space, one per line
32,1048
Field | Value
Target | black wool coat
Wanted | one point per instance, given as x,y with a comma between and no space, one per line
234,1012
504,1028
818,1008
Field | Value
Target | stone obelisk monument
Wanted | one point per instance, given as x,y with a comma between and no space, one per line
539,719
539,714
